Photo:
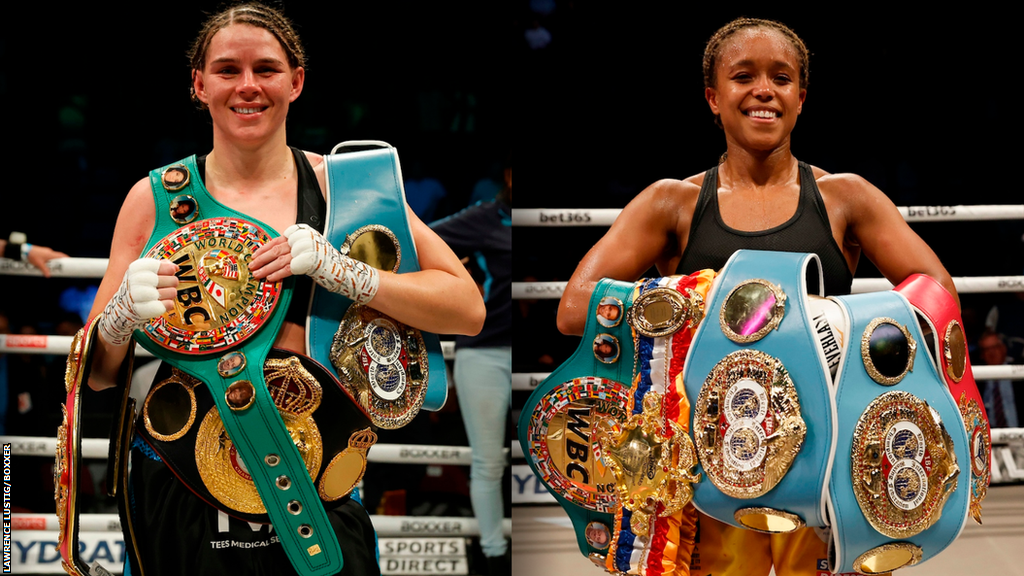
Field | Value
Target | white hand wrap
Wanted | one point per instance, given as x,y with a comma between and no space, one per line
136,302
313,256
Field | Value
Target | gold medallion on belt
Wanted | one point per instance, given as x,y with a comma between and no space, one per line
382,363
747,424
218,303
297,395
978,435
903,465
653,462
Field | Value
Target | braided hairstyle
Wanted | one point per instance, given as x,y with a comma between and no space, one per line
253,14
713,49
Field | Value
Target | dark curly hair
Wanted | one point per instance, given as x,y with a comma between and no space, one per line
253,14
713,49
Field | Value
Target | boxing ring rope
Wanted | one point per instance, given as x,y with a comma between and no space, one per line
61,345
380,453
386,526
59,268
605,216
560,217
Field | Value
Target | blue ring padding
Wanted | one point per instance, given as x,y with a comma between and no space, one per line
853,534
801,490
582,364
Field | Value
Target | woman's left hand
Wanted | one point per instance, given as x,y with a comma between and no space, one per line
273,260
303,250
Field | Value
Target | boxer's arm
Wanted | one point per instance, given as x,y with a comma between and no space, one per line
876,225
441,297
644,234
134,225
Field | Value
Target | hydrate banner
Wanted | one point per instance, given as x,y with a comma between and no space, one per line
527,489
35,551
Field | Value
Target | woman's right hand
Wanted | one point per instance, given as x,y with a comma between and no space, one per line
147,291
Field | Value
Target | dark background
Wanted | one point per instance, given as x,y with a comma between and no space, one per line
921,105
93,104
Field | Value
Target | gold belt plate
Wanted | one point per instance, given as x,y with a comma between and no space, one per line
653,463
219,303
383,364
563,440
297,395
747,424
903,465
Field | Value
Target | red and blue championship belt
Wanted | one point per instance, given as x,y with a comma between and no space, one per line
67,464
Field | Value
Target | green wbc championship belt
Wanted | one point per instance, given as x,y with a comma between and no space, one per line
220,332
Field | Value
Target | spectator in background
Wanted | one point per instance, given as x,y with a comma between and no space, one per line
483,363
998,395
35,255
488,187
537,36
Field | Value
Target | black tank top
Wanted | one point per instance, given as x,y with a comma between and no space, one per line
312,209
712,242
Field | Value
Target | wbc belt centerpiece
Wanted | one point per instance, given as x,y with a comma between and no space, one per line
807,411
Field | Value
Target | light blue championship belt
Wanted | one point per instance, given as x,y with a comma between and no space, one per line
897,493
392,370
784,447
763,420
225,322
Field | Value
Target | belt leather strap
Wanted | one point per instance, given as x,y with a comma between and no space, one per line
258,433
